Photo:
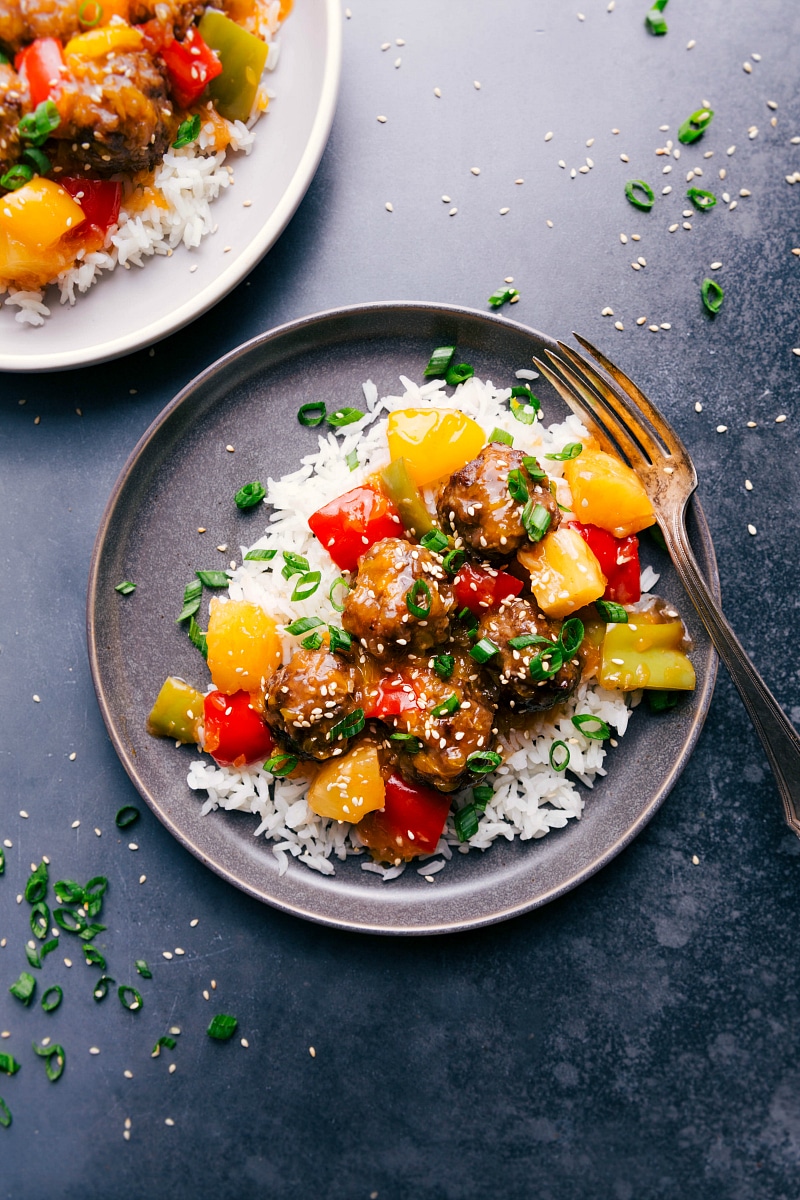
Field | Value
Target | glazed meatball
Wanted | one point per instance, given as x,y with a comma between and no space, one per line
449,739
376,610
14,103
308,697
477,505
517,618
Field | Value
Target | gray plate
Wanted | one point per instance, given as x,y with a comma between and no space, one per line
180,478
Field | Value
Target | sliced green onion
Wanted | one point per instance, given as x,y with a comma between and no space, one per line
406,742
127,815
524,405
40,920
98,886
260,555
36,127
459,374
536,520
293,564
453,561
532,467
129,997
98,10
712,294
51,1005
500,435
700,199
93,957
435,541
312,642
303,625
167,1041
345,416
655,22
341,582
660,701
482,762
55,1060
558,761
188,132
222,1027
339,639
406,496
483,650
695,126
32,955
444,665
646,200
91,931
517,487
419,588
68,891
214,579
48,948
571,450
351,460
143,969
250,495
611,612
8,1064
571,636
197,637
439,362
312,414
192,595
63,918
16,177
306,585
447,707
546,663
348,727
466,821
2,861
529,639
100,990
502,296
592,727
281,765
24,987
469,619
481,795
37,159
36,886
5,1111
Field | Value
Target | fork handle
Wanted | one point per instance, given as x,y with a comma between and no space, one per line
779,738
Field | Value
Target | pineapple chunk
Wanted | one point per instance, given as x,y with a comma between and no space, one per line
608,493
243,645
645,655
565,575
347,788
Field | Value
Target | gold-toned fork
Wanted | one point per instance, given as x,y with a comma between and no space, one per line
626,423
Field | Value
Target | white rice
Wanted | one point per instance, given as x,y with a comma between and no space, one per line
530,797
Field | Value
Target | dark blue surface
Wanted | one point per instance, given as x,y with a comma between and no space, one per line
638,1038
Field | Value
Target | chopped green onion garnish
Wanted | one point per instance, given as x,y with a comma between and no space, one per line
40,920
341,582
406,742
24,987
517,487
250,495
351,460
36,127
5,1111
192,595
646,200
8,1064
168,1042
188,132
143,969
655,22
312,642
712,294
459,374
529,639
546,663
55,1060
36,886
559,761
469,619
536,520
419,589
98,886
68,891
303,625
100,990
125,588
532,467
260,555
466,821
97,9
129,997
482,762
294,564
453,561
339,639
500,435
222,1027
571,636
701,199
524,405
197,637
48,948
54,991
348,727
2,861
659,701
64,917
444,665
695,126
592,727
345,416
281,765
127,815
502,296
435,541
483,650
91,931
32,955
447,707
439,362
481,795
93,956
37,159
16,177
306,585
213,579
612,612
312,414
571,450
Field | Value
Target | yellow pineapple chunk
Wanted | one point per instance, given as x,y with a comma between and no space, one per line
347,788
243,645
607,493
565,575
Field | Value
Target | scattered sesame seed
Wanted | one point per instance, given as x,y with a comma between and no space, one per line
751,425
75,824
636,266
172,1068
722,429
36,699
690,45
607,312
389,206
399,42
132,846
201,529
437,91
475,170
771,104
548,136
624,158
653,328
583,170
744,192
641,261
178,950
641,320
397,62
94,1049
752,132
756,57
589,143
731,150
206,995
229,449
176,1029
476,85
142,879
244,1042
98,832
580,16
195,922
452,212
508,279
169,1121
732,205
573,173
562,164
23,814
780,419
796,251
747,67
166,954
386,45
618,325
666,325
5,1034
715,266
748,485
686,225
67,962
612,4
623,237
128,1074
666,191
503,211
7,841
213,985
382,120
751,529
312,1052
726,198
695,860
615,131
348,14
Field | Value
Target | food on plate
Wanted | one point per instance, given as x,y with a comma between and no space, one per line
443,628
116,117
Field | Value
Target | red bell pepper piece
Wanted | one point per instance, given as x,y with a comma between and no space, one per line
41,65
619,562
394,695
235,732
191,65
409,824
479,590
99,198
351,523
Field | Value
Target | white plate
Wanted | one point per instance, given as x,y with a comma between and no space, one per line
130,309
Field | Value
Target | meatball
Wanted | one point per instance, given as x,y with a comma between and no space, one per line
477,505
511,666
377,611
308,697
14,102
449,739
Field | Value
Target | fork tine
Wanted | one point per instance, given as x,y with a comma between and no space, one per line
659,423
581,411
616,428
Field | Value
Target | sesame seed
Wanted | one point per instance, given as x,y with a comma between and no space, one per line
389,206
437,91
751,529
67,962
686,225
715,266
690,45
142,878
128,1074
747,67
75,824
583,170
206,995
166,954
98,832
619,325
386,45
641,261
476,85
94,1049
452,212
666,325
7,841
172,1068
771,104
722,429
503,211
607,312
624,158
382,120
748,485
672,228
179,951
666,170
195,922
312,1052
744,192
562,164
726,198
132,846
475,170
548,136
653,328
397,62
723,174
446,199
780,419
695,860
23,814
732,205
636,266
244,1042
731,150
518,181
641,320
751,425
169,1121
666,191
573,173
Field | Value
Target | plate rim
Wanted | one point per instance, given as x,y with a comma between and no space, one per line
704,695
228,279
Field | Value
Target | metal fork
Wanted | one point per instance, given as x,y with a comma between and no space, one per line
623,420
